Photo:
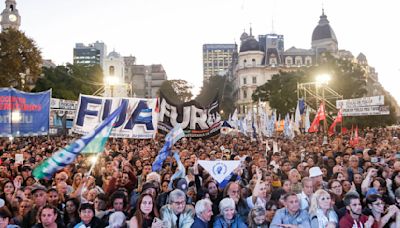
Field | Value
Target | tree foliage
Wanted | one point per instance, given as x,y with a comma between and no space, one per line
219,86
18,55
178,91
347,78
69,81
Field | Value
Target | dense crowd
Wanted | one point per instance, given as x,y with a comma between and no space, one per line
304,182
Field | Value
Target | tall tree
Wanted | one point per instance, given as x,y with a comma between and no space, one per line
177,91
69,81
219,86
20,60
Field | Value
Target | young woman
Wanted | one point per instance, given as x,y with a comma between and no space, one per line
147,215
71,214
321,210
257,218
376,208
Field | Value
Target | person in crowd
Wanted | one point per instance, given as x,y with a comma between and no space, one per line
146,214
100,205
177,214
321,210
271,208
117,220
24,207
336,188
259,196
306,193
204,214
291,214
48,217
376,209
233,190
228,216
354,217
71,214
258,218
5,218
316,176
39,193
86,213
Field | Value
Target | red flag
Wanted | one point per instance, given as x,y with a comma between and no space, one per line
337,120
355,141
351,135
320,116
344,130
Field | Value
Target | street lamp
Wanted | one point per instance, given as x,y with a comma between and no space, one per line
112,81
16,117
322,80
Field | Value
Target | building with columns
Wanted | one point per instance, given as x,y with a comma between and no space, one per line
10,17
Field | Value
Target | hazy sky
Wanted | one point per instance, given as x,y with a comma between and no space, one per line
172,32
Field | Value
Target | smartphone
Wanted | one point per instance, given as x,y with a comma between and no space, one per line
374,159
398,155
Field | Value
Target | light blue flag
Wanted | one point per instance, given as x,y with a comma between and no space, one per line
67,155
172,137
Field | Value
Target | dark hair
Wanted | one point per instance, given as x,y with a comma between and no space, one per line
350,196
119,195
373,198
85,206
331,182
47,206
139,214
286,196
67,218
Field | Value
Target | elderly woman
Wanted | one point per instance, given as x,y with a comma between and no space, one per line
321,211
228,216
177,211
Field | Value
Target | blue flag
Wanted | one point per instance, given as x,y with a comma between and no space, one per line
67,155
172,137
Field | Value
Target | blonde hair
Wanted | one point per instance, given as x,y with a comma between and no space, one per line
314,200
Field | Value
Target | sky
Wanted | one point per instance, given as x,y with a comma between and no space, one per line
172,32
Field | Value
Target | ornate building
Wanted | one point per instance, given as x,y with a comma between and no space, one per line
258,60
10,17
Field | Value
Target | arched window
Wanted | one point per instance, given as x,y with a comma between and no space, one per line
111,70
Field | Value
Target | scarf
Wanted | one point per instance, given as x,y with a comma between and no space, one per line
324,220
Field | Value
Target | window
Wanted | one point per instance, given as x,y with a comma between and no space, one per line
254,80
253,62
244,81
111,70
244,94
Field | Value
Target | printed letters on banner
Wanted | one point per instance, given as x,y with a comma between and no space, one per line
137,120
195,120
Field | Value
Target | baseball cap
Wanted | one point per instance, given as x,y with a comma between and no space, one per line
37,187
181,184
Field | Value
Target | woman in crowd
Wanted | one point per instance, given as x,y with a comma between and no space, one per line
146,215
71,214
257,218
376,208
259,192
336,188
86,213
233,191
76,181
321,210
24,207
228,216
271,208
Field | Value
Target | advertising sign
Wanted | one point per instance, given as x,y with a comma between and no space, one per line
366,111
360,102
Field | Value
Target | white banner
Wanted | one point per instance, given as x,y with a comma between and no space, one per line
360,102
366,111
220,169
137,120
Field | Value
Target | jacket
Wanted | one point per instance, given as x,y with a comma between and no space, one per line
186,218
198,223
221,223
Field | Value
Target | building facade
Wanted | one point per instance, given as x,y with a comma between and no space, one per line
217,59
259,59
90,54
146,80
10,17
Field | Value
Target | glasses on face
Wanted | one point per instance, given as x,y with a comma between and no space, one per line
379,204
179,203
337,186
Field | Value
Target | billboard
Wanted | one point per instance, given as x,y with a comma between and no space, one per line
360,102
366,111
24,114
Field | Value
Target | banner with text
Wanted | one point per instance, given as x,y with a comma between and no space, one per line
366,111
195,120
24,114
138,119
360,102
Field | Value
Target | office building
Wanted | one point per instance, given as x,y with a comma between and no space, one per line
217,59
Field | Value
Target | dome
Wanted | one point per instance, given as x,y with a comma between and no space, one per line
250,44
114,54
323,30
244,36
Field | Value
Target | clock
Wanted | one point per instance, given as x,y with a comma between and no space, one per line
12,18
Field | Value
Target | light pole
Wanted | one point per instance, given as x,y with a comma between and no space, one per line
112,81
322,80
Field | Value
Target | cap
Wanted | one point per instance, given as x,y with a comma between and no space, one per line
371,191
148,185
26,168
315,171
182,184
37,187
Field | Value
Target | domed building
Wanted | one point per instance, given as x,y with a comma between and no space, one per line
259,60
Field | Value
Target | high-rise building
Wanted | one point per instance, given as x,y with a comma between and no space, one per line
10,17
146,80
90,54
217,59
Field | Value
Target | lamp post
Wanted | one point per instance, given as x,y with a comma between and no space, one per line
112,81
15,118
322,81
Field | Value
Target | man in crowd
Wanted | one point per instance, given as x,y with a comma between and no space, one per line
177,214
204,213
354,217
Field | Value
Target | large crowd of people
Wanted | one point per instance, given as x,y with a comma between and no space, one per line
280,183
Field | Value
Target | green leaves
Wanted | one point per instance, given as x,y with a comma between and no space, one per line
177,91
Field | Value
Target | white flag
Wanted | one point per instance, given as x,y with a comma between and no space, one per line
220,169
